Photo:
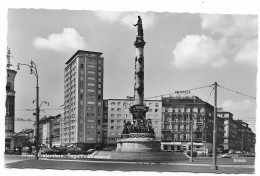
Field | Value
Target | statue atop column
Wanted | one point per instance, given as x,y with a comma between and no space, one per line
139,26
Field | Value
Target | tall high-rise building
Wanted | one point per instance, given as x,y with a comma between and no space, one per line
9,104
83,100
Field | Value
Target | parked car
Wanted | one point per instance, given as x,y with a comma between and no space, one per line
107,149
226,155
91,151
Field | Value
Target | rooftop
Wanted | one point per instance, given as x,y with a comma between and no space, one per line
82,51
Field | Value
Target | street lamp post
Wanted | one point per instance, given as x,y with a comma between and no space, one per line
33,70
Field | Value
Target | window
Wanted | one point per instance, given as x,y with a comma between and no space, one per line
112,109
118,115
91,84
118,127
99,62
81,84
90,96
90,108
90,102
91,72
99,68
81,90
98,121
112,121
99,92
90,121
82,72
99,73
157,105
112,103
118,109
81,102
81,65
91,78
91,60
99,86
91,66
99,79
112,115
156,110
99,103
90,114
81,96
112,127
90,90
81,78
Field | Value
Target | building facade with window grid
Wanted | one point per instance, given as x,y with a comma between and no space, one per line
116,113
83,100
177,115
237,133
10,109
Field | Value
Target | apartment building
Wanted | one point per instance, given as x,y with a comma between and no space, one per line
10,109
180,115
83,100
49,131
237,134
116,113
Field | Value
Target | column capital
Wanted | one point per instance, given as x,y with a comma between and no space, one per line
139,42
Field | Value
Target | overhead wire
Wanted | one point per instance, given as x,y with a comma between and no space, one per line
175,91
237,92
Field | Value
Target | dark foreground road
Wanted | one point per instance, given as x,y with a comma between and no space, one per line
197,167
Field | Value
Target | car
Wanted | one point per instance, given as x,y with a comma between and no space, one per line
107,149
91,151
226,155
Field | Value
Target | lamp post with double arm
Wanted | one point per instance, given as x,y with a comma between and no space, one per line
33,70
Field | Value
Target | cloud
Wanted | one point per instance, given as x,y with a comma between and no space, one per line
197,50
230,25
109,17
127,18
248,53
244,105
239,32
232,39
68,39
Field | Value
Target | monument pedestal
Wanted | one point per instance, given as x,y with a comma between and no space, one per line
138,142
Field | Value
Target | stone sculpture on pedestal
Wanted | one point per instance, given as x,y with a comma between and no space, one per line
138,136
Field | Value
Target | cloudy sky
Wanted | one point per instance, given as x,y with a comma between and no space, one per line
182,51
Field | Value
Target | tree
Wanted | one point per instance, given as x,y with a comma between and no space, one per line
22,141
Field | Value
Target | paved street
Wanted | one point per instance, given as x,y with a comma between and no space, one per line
198,166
